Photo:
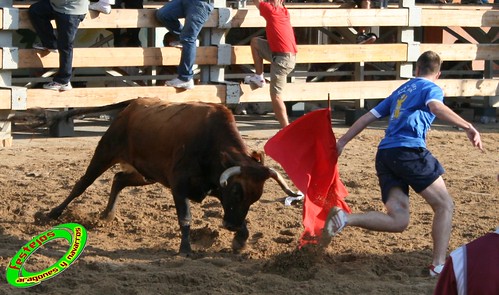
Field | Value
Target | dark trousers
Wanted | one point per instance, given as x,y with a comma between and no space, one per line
41,13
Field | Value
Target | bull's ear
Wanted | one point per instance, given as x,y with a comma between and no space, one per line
258,156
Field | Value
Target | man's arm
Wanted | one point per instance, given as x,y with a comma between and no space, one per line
257,3
443,112
355,129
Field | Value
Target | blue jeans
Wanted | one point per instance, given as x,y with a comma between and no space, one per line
196,13
41,13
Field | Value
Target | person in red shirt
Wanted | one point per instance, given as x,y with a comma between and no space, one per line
279,49
472,268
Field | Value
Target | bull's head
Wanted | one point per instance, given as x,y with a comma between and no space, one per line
242,186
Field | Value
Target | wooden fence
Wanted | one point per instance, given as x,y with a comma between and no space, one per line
332,21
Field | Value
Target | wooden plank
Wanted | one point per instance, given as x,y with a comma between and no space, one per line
113,57
352,53
244,18
366,90
469,87
5,99
88,97
207,55
330,17
464,51
82,97
459,18
118,18
300,17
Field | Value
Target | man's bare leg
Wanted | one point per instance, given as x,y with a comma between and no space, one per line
396,219
279,110
441,202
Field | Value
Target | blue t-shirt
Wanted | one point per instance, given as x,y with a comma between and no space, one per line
410,116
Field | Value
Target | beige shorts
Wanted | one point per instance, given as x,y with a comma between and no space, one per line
280,66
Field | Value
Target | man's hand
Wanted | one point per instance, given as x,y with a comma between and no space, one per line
474,137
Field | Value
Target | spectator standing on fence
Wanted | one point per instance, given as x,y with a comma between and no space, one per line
195,13
67,15
402,160
279,48
472,268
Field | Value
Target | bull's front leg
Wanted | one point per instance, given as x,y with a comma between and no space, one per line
240,238
184,220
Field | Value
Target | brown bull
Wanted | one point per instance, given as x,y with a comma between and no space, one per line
193,148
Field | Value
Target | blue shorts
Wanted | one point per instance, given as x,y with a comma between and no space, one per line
403,167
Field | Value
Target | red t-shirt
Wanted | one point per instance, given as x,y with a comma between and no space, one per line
472,269
280,34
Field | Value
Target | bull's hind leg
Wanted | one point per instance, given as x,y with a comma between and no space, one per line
94,170
103,159
120,181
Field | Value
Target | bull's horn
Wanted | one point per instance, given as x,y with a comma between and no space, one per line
235,170
278,177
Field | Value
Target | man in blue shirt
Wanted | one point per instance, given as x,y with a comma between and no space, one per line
402,159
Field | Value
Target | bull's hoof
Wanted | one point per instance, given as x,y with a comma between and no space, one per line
185,250
42,218
238,246
239,241
107,217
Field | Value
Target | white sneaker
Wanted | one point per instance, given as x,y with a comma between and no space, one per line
40,46
99,6
58,86
176,44
335,222
177,83
254,79
436,270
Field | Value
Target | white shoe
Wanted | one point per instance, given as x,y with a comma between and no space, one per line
40,46
58,86
99,6
335,222
177,83
254,79
176,44
436,270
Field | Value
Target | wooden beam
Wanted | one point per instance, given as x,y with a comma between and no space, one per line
469,87
464,51
243,18
459,18
207,55
5,99
114,57
118,18
325,17
86,97
89,97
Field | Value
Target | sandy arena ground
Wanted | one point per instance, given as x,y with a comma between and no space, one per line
137,252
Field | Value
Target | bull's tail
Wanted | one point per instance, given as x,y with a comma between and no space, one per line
38,117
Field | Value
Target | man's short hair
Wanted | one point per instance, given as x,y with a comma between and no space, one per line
429,63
